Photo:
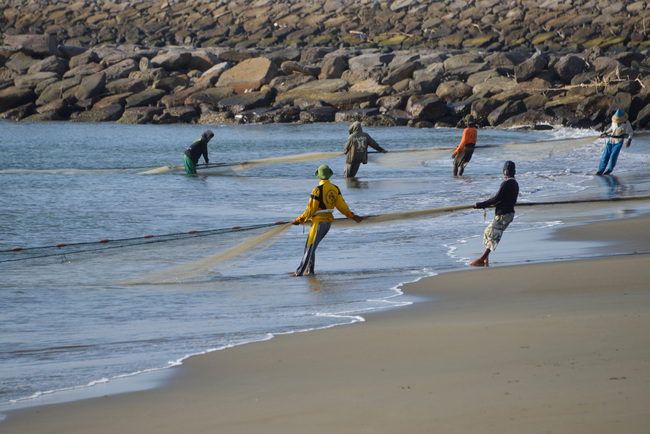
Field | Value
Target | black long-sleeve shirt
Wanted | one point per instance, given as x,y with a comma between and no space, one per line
505,199
196,149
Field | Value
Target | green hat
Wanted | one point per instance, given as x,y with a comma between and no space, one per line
324,172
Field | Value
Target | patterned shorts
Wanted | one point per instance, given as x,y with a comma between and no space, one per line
494,231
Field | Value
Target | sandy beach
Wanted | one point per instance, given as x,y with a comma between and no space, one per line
558,347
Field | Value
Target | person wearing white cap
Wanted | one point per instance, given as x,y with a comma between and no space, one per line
320,209
617,133
194,152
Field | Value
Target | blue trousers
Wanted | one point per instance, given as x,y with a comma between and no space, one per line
317,233
610,155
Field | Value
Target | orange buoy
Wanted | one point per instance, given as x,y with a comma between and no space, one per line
61,245
192,232
105,240
17,249
148,236
236,227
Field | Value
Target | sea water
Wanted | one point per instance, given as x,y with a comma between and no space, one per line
70,319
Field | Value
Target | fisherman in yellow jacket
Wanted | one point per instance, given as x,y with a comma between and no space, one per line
320,209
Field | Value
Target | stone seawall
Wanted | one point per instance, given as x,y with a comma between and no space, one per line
404,62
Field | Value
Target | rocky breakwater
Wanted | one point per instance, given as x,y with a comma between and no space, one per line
301,79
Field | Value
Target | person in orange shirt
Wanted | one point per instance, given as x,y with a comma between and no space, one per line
465,150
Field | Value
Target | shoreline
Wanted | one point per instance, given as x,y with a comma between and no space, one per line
341,378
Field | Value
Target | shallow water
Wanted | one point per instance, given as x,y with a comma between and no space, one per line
70,320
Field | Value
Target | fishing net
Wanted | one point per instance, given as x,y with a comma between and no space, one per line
207,169
408,157
537,150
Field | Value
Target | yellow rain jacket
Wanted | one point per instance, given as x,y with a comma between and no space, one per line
322,202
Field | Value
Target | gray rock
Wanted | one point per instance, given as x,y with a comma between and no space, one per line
91,86
568,67
428,108
333,67
172,60
290,67
110,113
369,61
49,64
32,80
247,101
121,69
453,91
145,98
39,45
140,115
20,62
126,85
531,67
177,99
57,90
12,97
174,115
210,96
505,111
311,90
249,74
85,57
84,70
400,73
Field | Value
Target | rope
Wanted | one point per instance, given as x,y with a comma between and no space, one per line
148,239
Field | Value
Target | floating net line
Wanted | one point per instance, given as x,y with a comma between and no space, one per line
245,165
226,244
538,150
61,249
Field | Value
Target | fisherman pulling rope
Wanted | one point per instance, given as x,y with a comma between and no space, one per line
504,202
618,131
322,202
195,150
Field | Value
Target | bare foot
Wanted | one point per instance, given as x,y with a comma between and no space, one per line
293,275
479,263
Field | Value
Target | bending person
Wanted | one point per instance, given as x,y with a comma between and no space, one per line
320,208
194,152
356,149
504,202
618,131
463,153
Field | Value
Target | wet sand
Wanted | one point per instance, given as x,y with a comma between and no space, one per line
557,347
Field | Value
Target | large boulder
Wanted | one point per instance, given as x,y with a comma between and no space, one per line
39,45
311,90
32,80
121,69
172,60
426,107
140,115
210,96
178,98
57,90
452,91
530,67
91,86
505,111
109,113
49,64
246,101
567,67
248,75
145,98
13,96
